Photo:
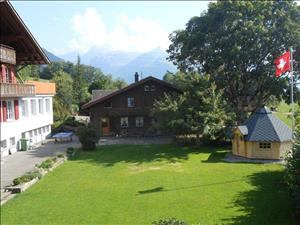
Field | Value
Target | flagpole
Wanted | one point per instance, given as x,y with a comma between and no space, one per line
292,90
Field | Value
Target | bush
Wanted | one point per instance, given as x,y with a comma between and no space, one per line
70,150
293,169
48,163
88,137
169,221
60,155
26,178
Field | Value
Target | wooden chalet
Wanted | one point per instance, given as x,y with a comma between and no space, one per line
126,112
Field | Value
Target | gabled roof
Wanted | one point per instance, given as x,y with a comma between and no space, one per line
14,33
264,126
129,87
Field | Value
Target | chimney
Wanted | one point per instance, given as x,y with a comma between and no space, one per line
136,77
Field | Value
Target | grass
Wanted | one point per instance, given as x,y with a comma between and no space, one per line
284,113
135,185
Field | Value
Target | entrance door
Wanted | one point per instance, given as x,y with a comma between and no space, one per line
105,125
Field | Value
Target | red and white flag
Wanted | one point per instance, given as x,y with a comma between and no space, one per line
282,64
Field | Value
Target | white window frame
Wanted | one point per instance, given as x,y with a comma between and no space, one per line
12,141
41,105
10,113
146,88
33,106
24,107
139,121
152,87
130,102
124,122
48,102
3,144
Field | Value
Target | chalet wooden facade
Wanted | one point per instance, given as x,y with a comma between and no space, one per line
127,111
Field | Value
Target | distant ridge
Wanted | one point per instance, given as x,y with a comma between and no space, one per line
52,57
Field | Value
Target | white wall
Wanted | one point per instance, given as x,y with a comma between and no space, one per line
35,123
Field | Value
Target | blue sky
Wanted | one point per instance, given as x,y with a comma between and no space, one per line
63,27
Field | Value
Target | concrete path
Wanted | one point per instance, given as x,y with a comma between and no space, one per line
135,140
17,164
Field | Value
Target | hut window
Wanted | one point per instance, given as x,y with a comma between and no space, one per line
264,145
124,122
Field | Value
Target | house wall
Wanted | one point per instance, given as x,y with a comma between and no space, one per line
143,103
33,127
252,150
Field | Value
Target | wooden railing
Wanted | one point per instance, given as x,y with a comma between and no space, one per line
7,54
16,90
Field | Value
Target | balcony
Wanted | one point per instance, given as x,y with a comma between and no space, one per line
7,54
16,90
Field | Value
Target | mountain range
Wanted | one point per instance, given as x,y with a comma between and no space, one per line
122,64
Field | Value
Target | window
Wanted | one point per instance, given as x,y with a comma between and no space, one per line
107,105
130,101
47,105
40,131
33,106
30,134
35,132
124,121
104,122
152,88
12,141
139,121
264,145
7,75
10,110
146,88
24,135
43,129
47,128
24,107
3,144
41,106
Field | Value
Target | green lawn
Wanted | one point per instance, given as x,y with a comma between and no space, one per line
136,185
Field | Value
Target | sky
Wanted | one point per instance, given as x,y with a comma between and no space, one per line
63,27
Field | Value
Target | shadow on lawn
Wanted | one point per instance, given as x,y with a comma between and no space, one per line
267,203
161,189
111,154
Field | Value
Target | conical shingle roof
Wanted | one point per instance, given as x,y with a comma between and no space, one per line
264,126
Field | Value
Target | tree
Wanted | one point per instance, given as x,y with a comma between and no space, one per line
200,110
62,102
293,167
106,83
80,88
236,42
30,71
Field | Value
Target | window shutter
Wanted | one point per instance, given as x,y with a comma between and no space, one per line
2,78
1,112
16,105
4,111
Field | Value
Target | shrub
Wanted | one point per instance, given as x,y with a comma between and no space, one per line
293,169
48,163
169,221
70,150
60,155
88,137
26,178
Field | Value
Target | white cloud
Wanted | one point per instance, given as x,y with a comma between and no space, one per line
127,34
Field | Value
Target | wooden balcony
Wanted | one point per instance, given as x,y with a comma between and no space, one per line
16,90
7,54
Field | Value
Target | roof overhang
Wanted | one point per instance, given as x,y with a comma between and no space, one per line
15,34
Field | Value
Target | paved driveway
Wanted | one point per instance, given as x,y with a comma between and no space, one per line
21,162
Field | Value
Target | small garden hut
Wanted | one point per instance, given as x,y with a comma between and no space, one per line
263,136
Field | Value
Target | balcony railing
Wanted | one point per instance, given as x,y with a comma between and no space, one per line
7,54
16,90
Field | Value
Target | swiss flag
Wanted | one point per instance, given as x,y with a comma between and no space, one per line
282,63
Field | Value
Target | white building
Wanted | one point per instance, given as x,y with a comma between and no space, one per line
25,108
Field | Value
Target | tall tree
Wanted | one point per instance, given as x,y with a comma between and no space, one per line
236,42
62,103
200,110
80,89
